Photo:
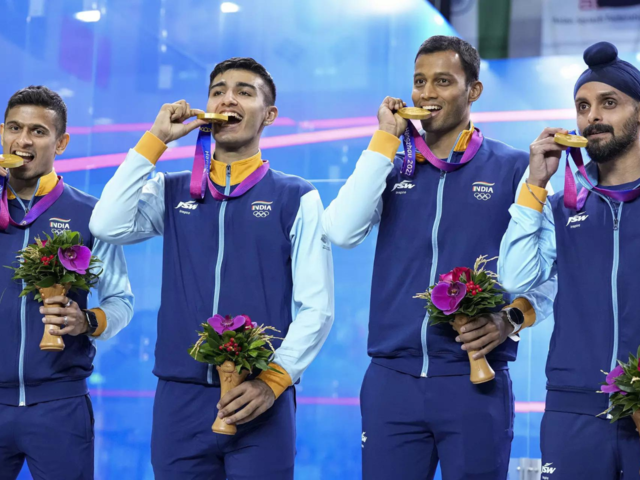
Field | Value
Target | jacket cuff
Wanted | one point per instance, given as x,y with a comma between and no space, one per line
385,144
102,321
150,147
278,382
527,310
526,199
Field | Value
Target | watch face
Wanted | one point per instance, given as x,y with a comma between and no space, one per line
516,316
92,321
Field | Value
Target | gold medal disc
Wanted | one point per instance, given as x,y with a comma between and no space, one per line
10,161
213,117
567,140
414,113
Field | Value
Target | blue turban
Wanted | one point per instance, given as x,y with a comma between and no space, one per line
606,67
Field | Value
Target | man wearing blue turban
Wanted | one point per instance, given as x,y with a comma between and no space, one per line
591,240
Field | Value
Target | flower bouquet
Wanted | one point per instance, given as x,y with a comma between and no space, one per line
623,384
235,345
459,295
54,267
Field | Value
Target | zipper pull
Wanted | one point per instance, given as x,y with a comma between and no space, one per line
442,174
615,223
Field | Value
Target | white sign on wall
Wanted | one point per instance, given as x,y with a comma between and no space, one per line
570,26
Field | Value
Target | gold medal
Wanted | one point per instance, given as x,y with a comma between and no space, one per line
213,117
10,161
575,141
414,113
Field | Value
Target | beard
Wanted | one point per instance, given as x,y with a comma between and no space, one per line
603,152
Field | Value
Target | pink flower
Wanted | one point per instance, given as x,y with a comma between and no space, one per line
611,386
75,259
458,271
248,324
454,275
447,277
222,324
447,296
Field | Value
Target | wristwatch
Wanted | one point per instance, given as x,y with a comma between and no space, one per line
515,317
92,322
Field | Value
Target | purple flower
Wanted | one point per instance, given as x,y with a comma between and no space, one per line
75,259
447,296
222,324
615,373
611,386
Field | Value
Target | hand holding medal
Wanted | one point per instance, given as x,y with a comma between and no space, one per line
169,124
394,113
544,155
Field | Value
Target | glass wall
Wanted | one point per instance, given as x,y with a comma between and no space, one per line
116,62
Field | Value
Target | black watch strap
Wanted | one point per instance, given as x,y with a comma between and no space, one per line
92,322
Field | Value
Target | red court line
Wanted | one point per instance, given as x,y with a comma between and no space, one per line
141,127
115,159
366,129
520,407
524,115
501,116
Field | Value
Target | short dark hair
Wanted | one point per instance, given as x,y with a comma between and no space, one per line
469,57
40,96
246,63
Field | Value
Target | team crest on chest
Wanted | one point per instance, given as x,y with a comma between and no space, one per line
261,209
59,225
482,190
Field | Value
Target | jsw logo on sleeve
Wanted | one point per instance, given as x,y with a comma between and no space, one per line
547,468
403,185
190,205
576,219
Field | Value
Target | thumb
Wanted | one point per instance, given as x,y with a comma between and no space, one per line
192,125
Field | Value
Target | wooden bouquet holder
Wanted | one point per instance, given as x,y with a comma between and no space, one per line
229,379
52,343
481,371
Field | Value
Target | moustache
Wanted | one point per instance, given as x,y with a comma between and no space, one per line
597,128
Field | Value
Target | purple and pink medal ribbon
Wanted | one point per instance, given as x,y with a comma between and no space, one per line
37,210
576,201
413,141
202,166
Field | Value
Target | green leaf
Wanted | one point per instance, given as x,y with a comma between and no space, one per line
219,359
256,344
68,278
46,282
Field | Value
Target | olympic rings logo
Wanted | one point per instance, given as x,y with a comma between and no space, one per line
261,213
482,196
